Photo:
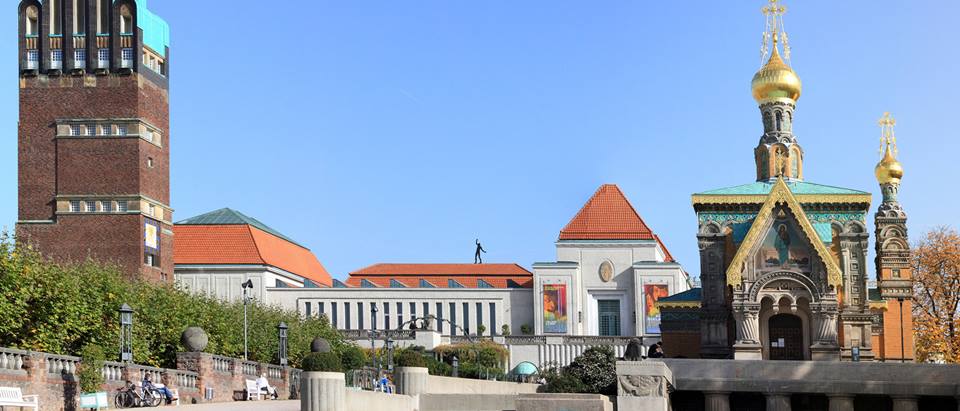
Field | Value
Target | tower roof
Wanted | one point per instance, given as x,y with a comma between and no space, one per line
156,31
608,215
228,216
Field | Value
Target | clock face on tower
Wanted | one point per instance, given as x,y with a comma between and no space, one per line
606,271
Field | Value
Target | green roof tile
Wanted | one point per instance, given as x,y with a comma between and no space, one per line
796,187
693,294
156,31
227,216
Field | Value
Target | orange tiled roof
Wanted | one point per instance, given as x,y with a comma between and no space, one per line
244,244
608,215
468,275
667,256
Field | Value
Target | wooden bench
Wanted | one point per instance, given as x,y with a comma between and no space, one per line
13,397
253,393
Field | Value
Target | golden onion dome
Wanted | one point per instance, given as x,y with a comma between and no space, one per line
776,81
889,170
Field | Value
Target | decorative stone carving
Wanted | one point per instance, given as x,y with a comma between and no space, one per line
194,339
606,271
319,345
643,385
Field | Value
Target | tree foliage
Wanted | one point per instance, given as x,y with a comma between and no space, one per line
936,269
60,308
593,372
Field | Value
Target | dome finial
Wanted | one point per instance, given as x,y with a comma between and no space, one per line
775,81
889,170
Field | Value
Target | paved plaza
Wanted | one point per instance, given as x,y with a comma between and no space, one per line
285,405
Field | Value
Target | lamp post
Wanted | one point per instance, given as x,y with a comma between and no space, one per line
246,285
456,366
282,334
389,353
373,334
126,333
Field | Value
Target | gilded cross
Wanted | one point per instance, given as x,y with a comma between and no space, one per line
887,136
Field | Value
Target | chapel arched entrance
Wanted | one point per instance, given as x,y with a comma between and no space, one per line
785,337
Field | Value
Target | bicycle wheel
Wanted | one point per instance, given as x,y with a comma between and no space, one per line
155,398
123,399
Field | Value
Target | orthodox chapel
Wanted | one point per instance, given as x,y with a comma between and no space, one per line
783,260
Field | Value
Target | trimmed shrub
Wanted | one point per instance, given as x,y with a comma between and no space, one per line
352,357
90,369
411,358
593,372
321,361
505,330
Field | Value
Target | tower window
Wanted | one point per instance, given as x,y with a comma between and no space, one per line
75,206
31,21
91,206
105,130
126,56
106,206
150,162
91,129
33,59
126,20
122,130
75,130
103,58
122,206
55,28
56,59
779,120
103,7
79,58
79,16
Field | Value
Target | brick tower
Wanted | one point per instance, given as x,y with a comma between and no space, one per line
894,275
93,145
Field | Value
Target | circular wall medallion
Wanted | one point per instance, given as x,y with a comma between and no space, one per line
606,271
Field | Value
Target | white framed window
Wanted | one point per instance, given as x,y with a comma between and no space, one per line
122,206
91,206
151,210
79,58
75,130
103,58
121,129
126,57
56,59
149,162
148,259
148,135
91,129
106,130
75,206
33,59
106,206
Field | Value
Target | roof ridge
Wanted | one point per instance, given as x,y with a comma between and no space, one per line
603,217
255,243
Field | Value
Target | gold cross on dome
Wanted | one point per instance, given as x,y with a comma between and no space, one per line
887,136
775,9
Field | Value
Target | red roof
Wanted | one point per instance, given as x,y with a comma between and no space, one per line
244,244
608,215
467,275
667,256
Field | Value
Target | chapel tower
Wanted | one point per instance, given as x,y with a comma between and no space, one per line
894,275
93,138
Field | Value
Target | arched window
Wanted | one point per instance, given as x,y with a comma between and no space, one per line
126,20
32,21
795,163
79,16
103,16
779,120
55,23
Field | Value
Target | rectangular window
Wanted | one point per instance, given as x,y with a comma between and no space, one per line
439,315
346,313
33,59
56,59
360,315
333,312
79,58
151,210
306,308
106,130
320,309
121,129
399,314
149,162
126,58
91,206
493,319
91,129
148,259
148,135
609,313
453,318
75,130
103,58
466,318
413,311
386,315
106,206
75,206
122,206
426,310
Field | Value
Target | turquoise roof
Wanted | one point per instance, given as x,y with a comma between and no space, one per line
525,368
156,31
693,294
227,216
796,187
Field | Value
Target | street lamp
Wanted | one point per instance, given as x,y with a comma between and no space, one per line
247,284
282,333
389,353
126,333
456,366
373,333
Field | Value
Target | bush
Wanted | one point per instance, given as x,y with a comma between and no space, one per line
593,372
321,361
411,358
486,353
481,329
60,308
352,357
505,330
525,329
90,369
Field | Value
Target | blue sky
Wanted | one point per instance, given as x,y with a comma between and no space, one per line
400,131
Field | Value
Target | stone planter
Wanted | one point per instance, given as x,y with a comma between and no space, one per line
322,391
411,380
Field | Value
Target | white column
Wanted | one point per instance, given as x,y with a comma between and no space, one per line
716,401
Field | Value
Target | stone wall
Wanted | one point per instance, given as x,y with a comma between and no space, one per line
227,376
449,385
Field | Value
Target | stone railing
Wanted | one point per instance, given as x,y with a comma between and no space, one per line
113,371
249,368
222,364
184,379
13,360
561,350
381,334
61,364
525,339
274,371
138,372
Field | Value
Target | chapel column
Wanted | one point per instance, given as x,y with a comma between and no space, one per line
716,401
778,401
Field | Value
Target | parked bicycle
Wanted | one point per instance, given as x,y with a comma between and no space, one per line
134,395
